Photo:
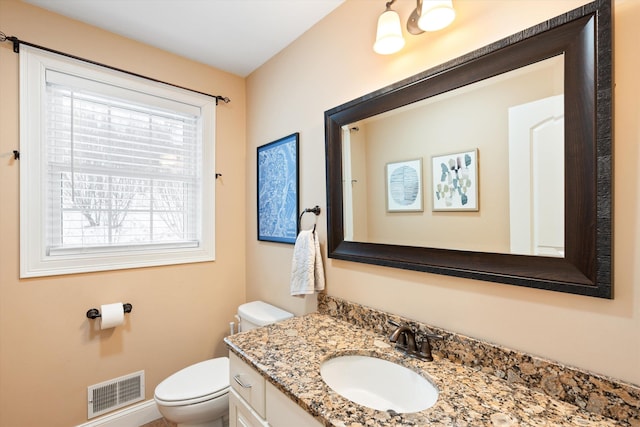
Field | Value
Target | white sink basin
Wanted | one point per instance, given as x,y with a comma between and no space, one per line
378,384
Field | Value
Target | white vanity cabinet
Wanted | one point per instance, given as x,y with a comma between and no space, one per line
254,402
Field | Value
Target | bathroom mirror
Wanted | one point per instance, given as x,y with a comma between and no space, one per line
421,176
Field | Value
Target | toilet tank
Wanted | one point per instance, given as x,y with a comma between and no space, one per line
258,313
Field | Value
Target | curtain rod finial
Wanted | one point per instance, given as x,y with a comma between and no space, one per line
222,98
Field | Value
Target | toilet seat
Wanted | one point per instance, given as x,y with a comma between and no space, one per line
195,384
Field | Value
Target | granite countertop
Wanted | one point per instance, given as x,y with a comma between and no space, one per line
289,354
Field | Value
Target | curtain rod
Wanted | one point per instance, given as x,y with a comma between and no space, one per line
16,48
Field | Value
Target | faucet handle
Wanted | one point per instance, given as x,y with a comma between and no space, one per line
425,347
425,351
435,336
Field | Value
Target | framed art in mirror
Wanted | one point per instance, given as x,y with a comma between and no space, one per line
404,186
454,181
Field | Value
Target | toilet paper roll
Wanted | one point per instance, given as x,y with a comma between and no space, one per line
112,315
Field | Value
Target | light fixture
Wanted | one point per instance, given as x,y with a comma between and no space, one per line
429,15
436,15
389,34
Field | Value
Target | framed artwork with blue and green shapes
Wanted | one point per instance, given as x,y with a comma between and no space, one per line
455,181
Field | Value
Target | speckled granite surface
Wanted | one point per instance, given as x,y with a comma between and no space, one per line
595,393
289,355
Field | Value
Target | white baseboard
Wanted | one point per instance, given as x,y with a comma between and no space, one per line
132,416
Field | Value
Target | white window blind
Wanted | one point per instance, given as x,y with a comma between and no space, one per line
122,169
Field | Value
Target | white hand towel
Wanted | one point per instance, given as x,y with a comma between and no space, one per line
307,274
318,284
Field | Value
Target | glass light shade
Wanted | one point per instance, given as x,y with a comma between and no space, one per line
389,35
436,15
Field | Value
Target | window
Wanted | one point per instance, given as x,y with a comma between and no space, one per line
116,170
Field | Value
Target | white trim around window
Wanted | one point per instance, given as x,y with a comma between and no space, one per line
51,246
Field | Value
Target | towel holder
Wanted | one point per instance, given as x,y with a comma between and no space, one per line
315,210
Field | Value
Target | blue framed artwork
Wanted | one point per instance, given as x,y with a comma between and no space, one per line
278,185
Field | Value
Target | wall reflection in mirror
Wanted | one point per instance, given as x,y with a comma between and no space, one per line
515,124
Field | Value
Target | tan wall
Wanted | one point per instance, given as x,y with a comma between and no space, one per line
334,63
48,355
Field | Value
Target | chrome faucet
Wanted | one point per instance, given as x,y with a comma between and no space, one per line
405,339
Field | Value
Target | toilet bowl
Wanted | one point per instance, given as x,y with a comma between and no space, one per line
198,395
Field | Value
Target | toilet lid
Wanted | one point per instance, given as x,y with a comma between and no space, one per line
196,381
260,313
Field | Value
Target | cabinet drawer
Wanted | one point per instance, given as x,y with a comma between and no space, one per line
248,383
241,415
284,412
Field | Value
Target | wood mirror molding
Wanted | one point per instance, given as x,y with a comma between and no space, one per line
584,35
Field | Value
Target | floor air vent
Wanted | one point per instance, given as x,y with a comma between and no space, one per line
115,393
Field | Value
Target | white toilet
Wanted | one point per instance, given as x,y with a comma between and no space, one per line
198,395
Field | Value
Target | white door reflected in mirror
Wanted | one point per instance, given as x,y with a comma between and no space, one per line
536,177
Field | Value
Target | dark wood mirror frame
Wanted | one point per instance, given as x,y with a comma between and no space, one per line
584,35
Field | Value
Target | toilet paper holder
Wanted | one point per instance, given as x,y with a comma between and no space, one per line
94,313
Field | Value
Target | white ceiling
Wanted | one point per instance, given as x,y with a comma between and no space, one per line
236,36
